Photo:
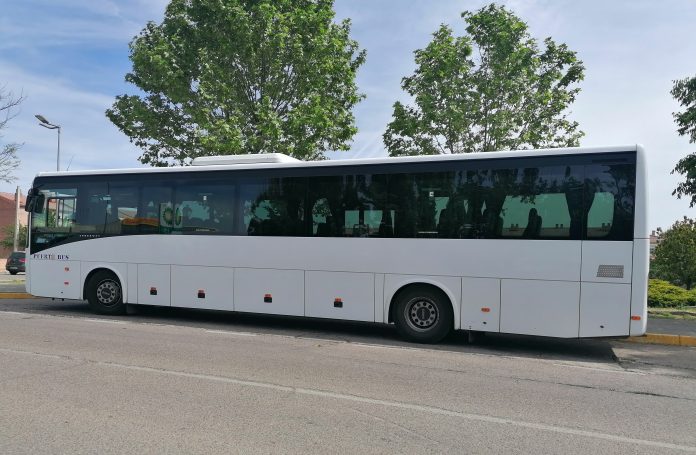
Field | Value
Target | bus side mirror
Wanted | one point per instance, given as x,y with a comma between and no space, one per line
35,201
31,201
39,203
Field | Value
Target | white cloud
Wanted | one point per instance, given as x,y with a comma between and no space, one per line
87,136
65,57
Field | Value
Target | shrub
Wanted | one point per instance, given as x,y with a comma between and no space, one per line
662,294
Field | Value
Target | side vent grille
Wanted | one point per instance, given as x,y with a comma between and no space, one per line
610,271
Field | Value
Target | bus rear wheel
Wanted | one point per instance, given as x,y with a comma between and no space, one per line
104,293
423,314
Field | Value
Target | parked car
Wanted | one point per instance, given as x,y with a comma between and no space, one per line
16,263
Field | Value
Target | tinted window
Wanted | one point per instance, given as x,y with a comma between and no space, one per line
563,197
204,208
610,201
271,207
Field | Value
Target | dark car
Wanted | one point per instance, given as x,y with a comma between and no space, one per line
15,263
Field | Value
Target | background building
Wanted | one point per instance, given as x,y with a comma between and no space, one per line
7,218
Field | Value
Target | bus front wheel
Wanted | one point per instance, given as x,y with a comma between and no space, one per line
423,314
104,293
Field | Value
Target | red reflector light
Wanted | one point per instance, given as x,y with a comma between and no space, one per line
486,310
22,260
635,318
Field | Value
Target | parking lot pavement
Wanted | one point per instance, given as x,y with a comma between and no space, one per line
205,382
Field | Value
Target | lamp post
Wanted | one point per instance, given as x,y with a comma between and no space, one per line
46,124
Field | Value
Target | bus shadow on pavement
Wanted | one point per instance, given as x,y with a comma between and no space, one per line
380,334
584,350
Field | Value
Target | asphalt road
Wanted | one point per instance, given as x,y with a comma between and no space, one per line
163,380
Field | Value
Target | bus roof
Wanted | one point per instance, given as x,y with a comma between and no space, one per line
353,162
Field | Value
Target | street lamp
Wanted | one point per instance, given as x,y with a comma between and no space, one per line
46,124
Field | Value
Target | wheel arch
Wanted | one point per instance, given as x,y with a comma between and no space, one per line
104,267
449,287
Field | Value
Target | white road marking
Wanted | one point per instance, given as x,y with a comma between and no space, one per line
375,401
231,332
409,406
104,321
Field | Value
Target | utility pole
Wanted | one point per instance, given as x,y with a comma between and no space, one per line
18,194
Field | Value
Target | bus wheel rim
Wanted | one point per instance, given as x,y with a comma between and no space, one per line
108,293
421,314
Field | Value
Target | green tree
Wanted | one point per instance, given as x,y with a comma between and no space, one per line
8,152
8,237
684,91
675,255
492,89
225,77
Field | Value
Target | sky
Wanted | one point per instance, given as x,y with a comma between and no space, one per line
68,58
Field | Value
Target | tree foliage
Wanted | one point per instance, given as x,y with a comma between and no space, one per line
675,255
663,294
492,89
8,152
241,76
8,236
684,91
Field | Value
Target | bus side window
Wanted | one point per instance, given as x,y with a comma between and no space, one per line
156,211
609,201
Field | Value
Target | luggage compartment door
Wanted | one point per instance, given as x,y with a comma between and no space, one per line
340,295
154,284
269,291
203,287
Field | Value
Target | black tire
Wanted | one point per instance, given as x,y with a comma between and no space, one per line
423,314
13,273
104,293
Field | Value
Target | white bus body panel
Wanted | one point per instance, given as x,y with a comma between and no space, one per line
285,288
639,288
605,309
55,278
641,248
202,287
534,307
481,304
355,291
605,302
154,284
132,289
603,262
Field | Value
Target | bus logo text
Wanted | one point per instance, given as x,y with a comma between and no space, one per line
51,257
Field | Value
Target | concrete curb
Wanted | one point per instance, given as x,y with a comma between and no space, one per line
661,338
16,295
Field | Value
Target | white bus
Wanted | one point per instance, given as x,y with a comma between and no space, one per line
537,242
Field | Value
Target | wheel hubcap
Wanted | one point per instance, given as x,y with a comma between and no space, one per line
421,314
108,293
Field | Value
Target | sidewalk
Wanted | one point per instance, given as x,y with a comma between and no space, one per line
684,327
